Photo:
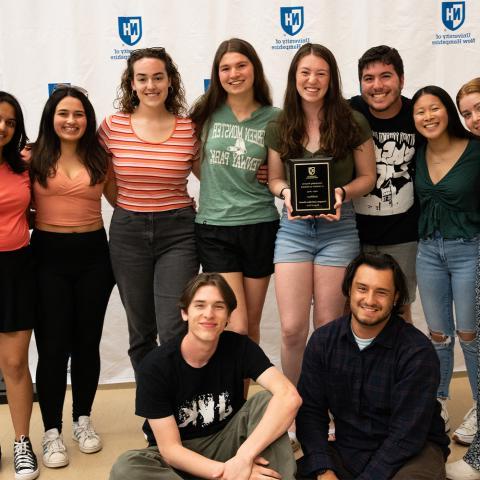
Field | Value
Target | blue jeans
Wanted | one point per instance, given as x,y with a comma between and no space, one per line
153,256
446,272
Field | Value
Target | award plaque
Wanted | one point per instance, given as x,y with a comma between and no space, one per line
312,192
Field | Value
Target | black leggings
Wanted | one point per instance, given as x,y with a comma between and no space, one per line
74,281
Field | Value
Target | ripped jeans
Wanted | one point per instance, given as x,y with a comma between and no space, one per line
446,272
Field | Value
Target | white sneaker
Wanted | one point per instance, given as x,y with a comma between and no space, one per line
444,413
461,470
466,431
54,451
84,433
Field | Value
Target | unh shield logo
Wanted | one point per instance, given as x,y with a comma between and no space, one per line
311,171
130,29
291,19
453,14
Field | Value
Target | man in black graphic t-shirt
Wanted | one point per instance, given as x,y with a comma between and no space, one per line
191,392
387,217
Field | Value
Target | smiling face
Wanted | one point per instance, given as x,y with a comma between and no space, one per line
469,106
381,87
150,82
312,79
372,298
430,117
207,314
236,74
69,120
7,124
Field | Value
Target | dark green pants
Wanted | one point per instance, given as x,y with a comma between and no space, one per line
148,464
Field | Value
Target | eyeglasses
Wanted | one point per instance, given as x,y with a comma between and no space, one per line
154,51
64,86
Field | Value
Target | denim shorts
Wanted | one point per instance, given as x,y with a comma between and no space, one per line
319,241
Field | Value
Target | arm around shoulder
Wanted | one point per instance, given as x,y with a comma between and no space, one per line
365,171
110,186
364,160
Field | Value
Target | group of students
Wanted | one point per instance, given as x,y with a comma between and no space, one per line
140,159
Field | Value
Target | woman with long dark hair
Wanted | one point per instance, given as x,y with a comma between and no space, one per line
152,241
447,184
237,219
69,171
311,253
17,284
468,468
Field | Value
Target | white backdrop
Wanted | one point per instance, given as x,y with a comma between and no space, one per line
81,42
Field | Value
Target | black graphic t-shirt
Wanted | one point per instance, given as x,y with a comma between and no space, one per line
202,400
389,213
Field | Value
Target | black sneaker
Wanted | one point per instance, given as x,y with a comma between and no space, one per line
25,461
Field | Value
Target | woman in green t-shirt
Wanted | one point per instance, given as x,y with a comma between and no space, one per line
237,220
311,253
447,183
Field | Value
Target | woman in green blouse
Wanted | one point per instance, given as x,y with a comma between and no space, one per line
447,183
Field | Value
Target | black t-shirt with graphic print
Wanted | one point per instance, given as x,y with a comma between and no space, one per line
202,400
389,213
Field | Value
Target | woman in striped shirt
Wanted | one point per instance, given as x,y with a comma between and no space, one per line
152,242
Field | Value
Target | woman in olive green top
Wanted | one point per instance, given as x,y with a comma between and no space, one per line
311,253
448,184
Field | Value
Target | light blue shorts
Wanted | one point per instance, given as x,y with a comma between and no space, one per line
318,241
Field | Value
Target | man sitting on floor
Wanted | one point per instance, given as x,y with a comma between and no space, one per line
378,376
191,391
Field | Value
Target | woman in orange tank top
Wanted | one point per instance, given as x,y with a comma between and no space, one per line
17,285
69,172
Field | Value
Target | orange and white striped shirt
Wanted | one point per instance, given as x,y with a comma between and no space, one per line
150,177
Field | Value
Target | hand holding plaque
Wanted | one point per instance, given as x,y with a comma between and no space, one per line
312,191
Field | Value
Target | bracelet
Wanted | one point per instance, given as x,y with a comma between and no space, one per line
281,195
344,193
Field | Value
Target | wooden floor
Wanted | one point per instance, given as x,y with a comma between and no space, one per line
120,430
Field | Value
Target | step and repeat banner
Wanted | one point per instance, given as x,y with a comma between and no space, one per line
86,43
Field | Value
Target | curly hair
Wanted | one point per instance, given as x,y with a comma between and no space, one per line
339,133
11,151
127,99
383,54
47,149
216,95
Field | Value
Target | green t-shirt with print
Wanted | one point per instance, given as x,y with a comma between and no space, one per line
230,193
